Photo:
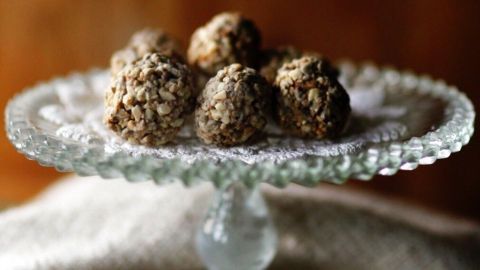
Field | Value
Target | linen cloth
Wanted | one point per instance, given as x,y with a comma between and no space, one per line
95,224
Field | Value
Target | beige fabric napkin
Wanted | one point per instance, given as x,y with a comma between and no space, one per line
95,224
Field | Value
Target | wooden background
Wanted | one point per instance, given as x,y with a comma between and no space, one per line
40,39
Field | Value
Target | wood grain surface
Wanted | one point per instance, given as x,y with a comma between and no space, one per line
40,39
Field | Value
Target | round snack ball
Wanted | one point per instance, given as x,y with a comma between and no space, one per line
273,59
311,103
226,39
231,108
143,42
148,101
149,39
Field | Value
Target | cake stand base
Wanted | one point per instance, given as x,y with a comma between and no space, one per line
237,232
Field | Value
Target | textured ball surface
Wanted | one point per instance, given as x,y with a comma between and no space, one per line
148,101
311,103
231,108
143,42
273,59
226,39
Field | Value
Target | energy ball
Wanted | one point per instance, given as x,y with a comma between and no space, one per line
311,103
231,108
148,40
143,42
148,101
273,59
226,39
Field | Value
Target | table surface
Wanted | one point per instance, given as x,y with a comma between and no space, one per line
326,228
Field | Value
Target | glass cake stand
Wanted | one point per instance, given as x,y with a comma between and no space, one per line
399,120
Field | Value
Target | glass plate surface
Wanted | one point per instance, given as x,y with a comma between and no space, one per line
399,120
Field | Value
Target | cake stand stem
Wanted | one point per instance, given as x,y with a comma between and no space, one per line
237,232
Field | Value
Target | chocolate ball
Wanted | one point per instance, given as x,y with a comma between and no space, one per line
311,103
143,42
226,39
273,59
231,108
148,100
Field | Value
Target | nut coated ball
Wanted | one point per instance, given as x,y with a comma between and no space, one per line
311,103
148,101
226,39
143,42
273,59
231,108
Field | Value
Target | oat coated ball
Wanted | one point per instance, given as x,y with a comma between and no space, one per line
273,59
146,41
311,103
226,39
231,108
148,100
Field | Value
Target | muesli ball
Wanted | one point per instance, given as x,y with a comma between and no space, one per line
273,59
148,101
311,103
226,39
231,108
146,41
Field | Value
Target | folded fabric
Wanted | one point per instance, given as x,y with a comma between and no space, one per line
90,223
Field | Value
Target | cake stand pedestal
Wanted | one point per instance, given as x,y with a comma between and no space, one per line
238,232
399,120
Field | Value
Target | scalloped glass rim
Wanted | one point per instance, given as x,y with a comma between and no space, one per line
65,155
